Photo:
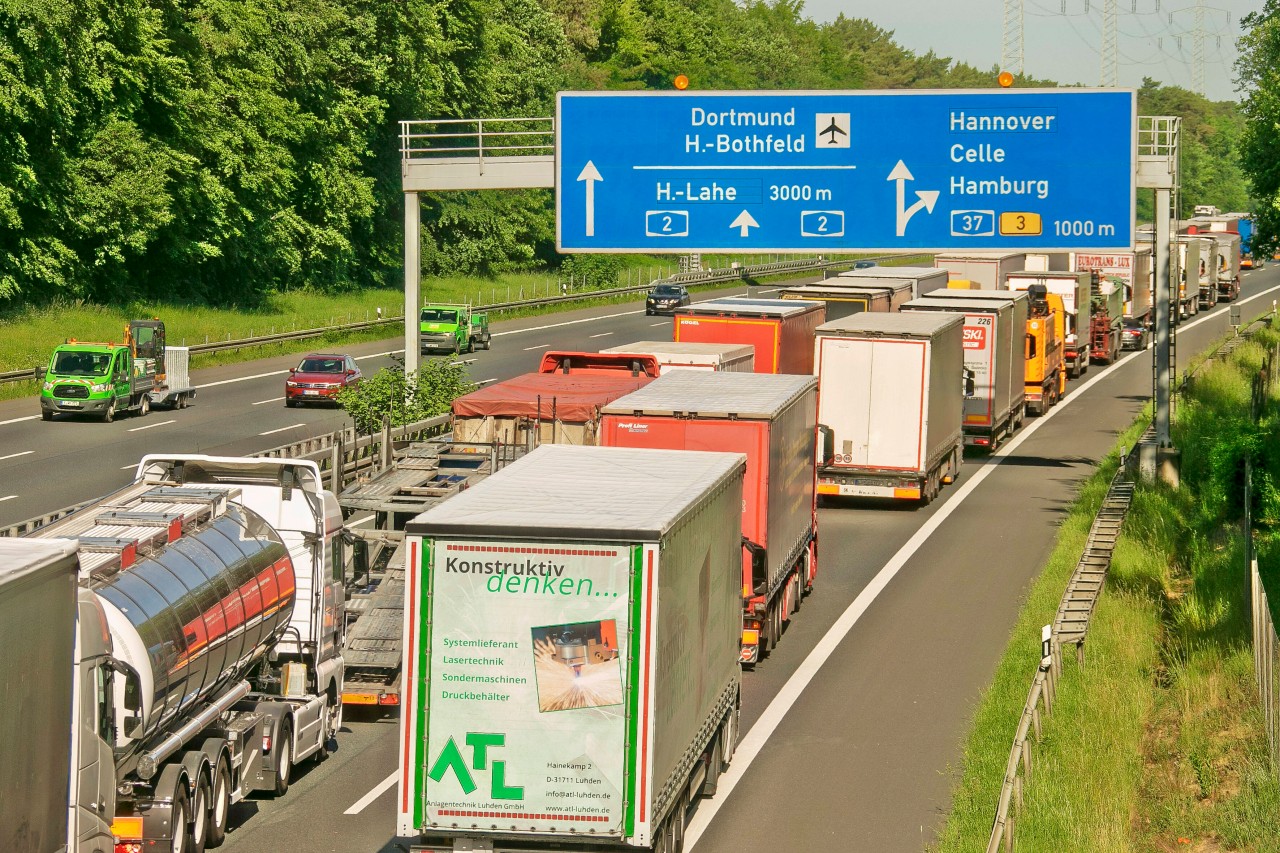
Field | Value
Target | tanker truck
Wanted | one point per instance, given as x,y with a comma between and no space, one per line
208,663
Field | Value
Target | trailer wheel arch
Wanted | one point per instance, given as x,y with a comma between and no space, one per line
175,779
277,713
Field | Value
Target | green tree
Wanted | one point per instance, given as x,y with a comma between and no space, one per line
405,399
1258,67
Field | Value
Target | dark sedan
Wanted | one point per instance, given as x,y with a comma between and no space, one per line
665,299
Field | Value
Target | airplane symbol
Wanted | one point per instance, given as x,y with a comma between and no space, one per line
832,129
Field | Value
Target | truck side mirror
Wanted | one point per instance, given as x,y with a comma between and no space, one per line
1031,346
131,721
759,565
970,385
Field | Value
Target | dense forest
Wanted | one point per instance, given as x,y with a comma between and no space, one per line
219,150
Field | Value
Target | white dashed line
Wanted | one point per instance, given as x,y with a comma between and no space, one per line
7,498
152,426
16,455
272,400
282,429
539,346
601,335
19,420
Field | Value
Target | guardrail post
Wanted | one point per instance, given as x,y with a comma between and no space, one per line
1008,834
386,442
335,466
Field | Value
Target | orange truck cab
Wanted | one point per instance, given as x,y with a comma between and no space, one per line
1046,330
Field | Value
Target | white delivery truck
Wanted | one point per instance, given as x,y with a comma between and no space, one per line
995,329
1049,261
1226,264
572,631
1076,290
891,391
1194,253
923,279
987,270
687,355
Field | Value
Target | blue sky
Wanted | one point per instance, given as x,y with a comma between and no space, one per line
1066,47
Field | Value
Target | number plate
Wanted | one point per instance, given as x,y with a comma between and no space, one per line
69,404
308,392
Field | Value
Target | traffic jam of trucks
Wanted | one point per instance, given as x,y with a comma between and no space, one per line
566,662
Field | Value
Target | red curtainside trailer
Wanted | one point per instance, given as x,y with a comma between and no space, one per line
781,330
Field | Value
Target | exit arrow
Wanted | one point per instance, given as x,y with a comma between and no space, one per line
590,174
928,198
743,222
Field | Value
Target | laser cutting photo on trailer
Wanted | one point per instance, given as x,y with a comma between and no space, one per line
577,666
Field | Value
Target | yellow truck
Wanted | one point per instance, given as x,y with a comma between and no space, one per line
1046,330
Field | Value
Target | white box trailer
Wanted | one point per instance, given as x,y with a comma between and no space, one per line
1193,253
1130,270
572,631
1049,261
1076,290
987,270
175,390
923,279
688,355
890,404
995,328
38,630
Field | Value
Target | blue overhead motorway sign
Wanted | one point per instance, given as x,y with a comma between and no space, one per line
1017,170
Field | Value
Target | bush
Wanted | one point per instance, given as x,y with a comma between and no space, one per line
429,392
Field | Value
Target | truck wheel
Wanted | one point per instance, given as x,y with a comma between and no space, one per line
144,406
200,817
220,806
178,820
110,414
729,737
284,758
486,343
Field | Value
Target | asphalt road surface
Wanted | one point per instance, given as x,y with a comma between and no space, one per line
853,726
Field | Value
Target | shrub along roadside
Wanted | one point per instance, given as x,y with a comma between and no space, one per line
1156,743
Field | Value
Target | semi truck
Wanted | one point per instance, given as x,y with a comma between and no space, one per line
845,299
1193,262
770,419
987,270
674,355
995,326
571,652
1106,324
452,328
210,608
104,379
1076,291
540,408
891,391
921,279
779,330
38,630
1132,271
1227,265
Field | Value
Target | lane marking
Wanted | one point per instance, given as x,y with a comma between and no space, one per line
16,455
751,745
539,346
129,467
7,498
18,420
153,426
378,790
601,335
264,402
663,323
282,429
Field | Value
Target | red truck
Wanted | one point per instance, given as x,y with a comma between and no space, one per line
540,408
781,330
773,420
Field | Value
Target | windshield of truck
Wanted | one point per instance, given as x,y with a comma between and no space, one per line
82,363
439,315
322,365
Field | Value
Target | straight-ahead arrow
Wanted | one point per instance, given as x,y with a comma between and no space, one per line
743,222
590,174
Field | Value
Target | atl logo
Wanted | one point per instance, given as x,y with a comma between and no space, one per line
975,337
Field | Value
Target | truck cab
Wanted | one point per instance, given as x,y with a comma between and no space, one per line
452,328
104,379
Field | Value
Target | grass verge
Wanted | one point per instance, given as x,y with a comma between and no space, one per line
1156,743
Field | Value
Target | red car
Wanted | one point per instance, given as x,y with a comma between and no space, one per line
319,378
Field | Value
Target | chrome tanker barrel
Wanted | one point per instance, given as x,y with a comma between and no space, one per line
200,612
